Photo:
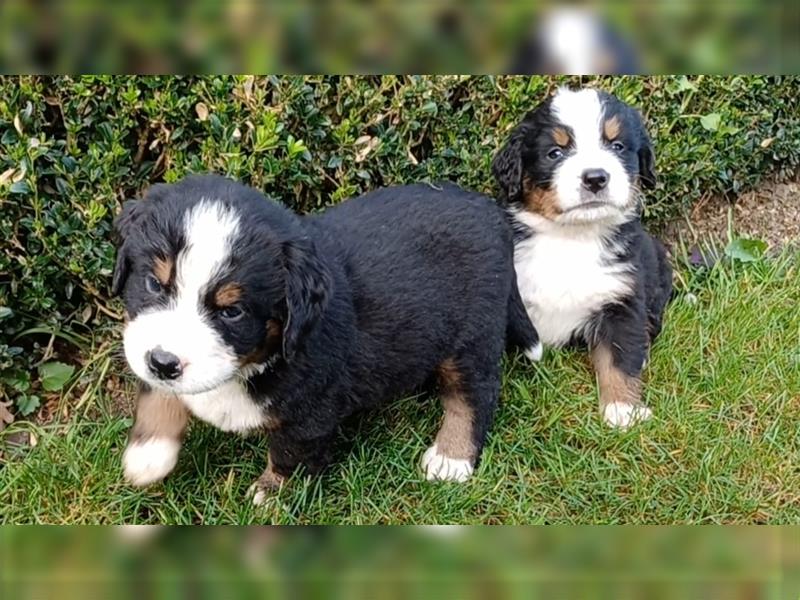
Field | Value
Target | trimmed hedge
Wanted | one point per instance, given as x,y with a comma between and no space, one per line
72,149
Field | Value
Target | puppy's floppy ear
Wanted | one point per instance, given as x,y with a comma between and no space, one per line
507,164
131,211
647,161
308,287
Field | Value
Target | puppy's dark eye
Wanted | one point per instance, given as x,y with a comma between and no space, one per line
555,154
231,313
617,146
153,285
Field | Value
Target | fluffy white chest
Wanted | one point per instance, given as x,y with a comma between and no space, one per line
228,407
564,279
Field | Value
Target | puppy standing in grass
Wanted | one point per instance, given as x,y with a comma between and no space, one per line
250,317
571,175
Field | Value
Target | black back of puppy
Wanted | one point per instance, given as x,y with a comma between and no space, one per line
430,271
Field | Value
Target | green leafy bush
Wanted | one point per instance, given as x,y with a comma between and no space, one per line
72,149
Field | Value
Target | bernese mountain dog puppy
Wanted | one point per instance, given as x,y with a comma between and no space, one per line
571,175
250,317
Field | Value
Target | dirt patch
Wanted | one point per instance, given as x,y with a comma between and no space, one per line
770,213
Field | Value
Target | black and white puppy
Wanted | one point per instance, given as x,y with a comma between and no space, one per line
571,175
250,317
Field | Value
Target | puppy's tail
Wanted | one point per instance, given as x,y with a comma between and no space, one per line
520,332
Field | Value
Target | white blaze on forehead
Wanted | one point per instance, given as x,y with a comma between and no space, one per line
582,111
210,229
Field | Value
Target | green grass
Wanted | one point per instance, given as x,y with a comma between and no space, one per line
723,447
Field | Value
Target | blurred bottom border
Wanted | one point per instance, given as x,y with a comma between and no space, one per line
747,562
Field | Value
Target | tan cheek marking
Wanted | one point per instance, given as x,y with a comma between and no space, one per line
615,385
162,269
455,437
560,136
228,294
540,201
611,128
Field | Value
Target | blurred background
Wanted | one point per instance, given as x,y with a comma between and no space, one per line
447,36
655,563
382,36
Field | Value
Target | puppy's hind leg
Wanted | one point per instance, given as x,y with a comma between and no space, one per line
155,440
287,453
469,403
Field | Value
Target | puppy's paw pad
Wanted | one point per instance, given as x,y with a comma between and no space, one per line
149,461
438,467
535,353
622,414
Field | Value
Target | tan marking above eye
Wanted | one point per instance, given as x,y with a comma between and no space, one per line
162,269
561,137
611,128
227,294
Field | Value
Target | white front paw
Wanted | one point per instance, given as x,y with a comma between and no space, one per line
258,496
623,414
534,353
149,461
438,467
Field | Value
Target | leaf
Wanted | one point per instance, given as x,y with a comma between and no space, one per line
7,175
745,250
6,418
27,404
702,258
711,121
684,84
5,312
367,146
86,314
430,108
202,111
18,379
21,187
54,375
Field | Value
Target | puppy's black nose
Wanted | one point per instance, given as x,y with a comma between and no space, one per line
164,365
594,180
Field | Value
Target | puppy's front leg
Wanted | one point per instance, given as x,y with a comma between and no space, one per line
155,439
286,454
618,354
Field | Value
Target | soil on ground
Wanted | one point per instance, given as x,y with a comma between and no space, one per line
770,213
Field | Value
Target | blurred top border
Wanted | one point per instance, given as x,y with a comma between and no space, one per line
384,36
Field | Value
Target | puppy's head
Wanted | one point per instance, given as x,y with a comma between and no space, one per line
580,157
218,282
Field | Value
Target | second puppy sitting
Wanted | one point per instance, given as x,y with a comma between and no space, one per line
571,175
249,317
